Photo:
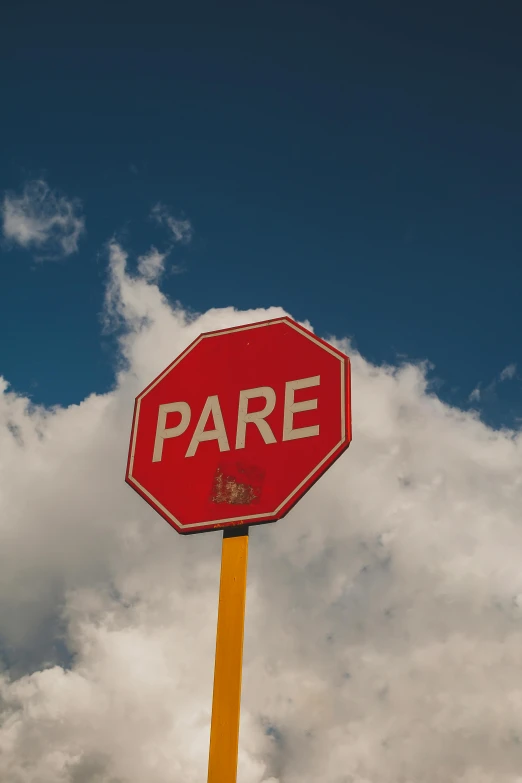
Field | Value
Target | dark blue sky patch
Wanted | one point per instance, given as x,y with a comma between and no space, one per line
357,166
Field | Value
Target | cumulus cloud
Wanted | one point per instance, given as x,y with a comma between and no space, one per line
41,219
180,228
383,630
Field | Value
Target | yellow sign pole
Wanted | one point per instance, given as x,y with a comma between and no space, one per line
226,700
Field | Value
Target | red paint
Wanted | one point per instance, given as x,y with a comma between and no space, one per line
215,489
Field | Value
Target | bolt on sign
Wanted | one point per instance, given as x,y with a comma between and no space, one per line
230,435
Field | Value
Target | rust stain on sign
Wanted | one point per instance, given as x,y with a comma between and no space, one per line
236,484
227,490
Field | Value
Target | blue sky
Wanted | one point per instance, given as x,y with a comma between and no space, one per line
359,167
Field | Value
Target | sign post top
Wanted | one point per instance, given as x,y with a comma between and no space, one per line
239,426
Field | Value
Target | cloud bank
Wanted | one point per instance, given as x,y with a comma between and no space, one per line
384,614
41,219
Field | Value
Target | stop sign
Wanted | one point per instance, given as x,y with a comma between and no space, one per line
240,426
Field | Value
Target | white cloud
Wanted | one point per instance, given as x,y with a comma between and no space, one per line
475,394
180,228
42,220
383,636
151,265
508,373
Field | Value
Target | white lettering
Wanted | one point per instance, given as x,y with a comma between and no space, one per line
219,433
291,407
163,432
256,417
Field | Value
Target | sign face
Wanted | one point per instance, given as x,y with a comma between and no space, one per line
240,426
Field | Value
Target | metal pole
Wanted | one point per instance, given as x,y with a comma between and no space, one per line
226,700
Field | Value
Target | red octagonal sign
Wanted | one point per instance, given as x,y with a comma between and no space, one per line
240,426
